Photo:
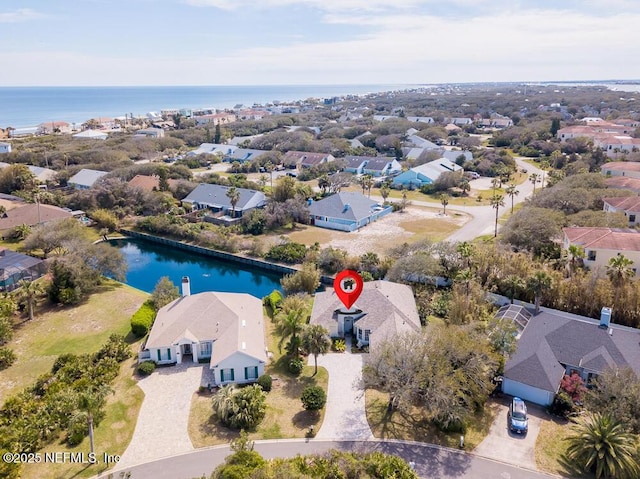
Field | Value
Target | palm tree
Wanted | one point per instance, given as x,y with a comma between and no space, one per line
234,196
619,272
403,202
367,183
269,167
290,322
513,284
544,164
496,201
316,341
533,178
323,183
538,284
466,251
600,444
22,231
90,403
465,186
29,293
512,192
444,200
574,252
384,192
223,405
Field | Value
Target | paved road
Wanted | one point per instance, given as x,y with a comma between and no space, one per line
431,461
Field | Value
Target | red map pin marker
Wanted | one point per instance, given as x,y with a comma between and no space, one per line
348,286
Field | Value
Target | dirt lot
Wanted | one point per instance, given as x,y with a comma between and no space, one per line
414,224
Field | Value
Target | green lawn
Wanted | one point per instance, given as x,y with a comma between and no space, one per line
414,425
80,329
551,447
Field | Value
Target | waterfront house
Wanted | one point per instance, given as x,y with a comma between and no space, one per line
5,147
85,178
554,343
602,244
629,205
214,199
382,310
425,174
223,330
16,266
30,214
50,127
346,211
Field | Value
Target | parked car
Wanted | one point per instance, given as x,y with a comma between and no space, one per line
474,175
517,417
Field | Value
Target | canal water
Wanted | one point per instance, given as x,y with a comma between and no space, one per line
148,262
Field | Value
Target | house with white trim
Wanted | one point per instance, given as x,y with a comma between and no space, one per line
425,174
5,147
225,330
214,198
382,310
85,178
346,211
554,343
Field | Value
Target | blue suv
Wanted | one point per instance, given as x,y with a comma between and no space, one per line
518,421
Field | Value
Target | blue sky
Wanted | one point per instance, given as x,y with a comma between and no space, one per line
256,42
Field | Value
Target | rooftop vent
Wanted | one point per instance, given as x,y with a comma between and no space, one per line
605,317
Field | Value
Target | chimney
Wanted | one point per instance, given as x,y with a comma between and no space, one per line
605,317
186,286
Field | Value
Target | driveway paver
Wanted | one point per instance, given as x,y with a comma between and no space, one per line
162,424
503,445
345,416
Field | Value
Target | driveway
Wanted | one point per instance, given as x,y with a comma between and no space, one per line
345,416
162,424
503,445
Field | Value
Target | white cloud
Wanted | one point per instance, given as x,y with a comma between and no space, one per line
326,5
20,15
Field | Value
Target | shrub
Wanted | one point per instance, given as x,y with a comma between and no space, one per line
142,320
7,358
313,398
146,368
265,382
273,300
339,346
115,348
296,366
306,280
288,252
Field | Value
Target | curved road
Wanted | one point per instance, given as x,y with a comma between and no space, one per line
431,461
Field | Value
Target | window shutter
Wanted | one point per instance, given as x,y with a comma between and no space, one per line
233,374
169,353
159,355
256,376
222,375
246,373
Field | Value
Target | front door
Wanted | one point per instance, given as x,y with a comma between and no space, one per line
348,325
186,349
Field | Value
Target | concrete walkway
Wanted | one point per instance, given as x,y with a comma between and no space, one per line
162,424
345,416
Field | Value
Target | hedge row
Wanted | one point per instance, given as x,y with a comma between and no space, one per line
142,319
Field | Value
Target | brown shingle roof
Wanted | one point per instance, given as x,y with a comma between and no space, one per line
32,214
627,203
149,183
604,238
621,166
623,183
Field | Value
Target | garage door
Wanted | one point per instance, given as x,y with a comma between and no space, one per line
526,392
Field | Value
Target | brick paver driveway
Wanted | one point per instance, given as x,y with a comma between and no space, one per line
161,429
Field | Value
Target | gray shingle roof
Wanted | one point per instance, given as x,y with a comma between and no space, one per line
215,196
551,341
389,308
234,321
345,205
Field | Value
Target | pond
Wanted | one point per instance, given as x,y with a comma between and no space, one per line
148,262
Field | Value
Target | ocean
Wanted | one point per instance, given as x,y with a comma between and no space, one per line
29,106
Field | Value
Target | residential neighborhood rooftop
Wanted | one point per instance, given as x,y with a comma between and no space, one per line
620,239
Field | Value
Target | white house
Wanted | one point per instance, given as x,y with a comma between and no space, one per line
150,133
5,147
629,205
382,310
346,211
225,330
602,244
92,135
85,178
